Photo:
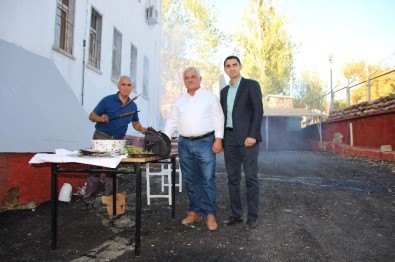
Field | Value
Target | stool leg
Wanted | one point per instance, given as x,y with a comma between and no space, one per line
169,184
147,175
179,180
162,182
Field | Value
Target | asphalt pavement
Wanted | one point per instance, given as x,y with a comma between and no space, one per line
314,207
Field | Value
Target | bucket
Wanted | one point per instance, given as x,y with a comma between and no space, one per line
65,193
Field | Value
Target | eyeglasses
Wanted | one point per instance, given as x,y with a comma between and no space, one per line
126,84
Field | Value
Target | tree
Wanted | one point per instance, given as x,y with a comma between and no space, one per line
309,92
339,104
381,84
266,47
189,39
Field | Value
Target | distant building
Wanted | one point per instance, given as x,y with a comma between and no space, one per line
277,101
282,123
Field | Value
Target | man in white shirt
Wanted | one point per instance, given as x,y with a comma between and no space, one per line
197,116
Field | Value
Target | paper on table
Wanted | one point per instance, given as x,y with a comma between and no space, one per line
61,151
65,156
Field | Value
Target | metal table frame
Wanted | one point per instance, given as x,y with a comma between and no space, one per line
137,162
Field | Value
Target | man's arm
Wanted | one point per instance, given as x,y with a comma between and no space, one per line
256,108
138,127
96,118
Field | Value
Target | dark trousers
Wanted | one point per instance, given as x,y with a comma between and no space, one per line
92,182
236,157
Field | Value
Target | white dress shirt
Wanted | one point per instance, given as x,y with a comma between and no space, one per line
196,115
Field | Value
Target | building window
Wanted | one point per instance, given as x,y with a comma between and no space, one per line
64,26
133,65
294,123
145,76
95,39
116,55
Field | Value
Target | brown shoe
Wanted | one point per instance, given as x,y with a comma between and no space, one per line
192,217
211,223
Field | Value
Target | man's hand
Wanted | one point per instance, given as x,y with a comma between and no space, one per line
249,142
138,127
103,118
217,146
143,130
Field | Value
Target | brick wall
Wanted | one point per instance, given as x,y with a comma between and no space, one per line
369,133
22,183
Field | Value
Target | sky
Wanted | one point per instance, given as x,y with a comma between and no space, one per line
350,30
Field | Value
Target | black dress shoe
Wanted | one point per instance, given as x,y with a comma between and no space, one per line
232,220
251,224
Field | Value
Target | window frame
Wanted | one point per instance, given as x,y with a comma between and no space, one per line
294,124
95,32
116,55
64,26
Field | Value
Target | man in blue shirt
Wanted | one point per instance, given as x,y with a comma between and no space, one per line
112,116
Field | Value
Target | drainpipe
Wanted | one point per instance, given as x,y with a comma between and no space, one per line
83,72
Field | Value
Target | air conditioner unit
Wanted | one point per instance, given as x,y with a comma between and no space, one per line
152,15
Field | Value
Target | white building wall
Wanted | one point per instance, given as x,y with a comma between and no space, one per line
31,25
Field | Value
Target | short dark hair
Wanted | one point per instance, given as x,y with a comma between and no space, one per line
232,57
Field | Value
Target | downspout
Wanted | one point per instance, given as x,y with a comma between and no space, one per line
83,72
83,54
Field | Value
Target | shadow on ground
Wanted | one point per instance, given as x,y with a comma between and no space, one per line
314,207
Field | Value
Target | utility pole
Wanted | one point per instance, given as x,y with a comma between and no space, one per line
332,94
348,92
368,84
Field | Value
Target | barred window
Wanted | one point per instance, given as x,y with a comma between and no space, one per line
293,123
95,39
116,55
64,26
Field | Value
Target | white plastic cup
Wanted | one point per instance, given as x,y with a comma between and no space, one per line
65,193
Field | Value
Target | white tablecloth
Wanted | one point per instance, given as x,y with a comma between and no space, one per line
65,156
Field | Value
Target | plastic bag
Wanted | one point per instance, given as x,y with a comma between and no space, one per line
157,142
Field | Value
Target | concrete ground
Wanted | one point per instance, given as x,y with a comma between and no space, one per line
314,207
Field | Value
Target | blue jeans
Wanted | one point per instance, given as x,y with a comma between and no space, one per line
197,162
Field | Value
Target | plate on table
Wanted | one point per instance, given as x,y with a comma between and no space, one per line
93,152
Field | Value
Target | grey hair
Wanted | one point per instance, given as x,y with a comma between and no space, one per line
125,77
192,68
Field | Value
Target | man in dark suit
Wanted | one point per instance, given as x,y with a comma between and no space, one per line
241,103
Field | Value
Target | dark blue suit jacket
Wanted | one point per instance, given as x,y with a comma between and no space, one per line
247,110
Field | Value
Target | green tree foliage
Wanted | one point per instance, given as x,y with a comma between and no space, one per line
309,92
339,104
362,72
189,39
266,48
